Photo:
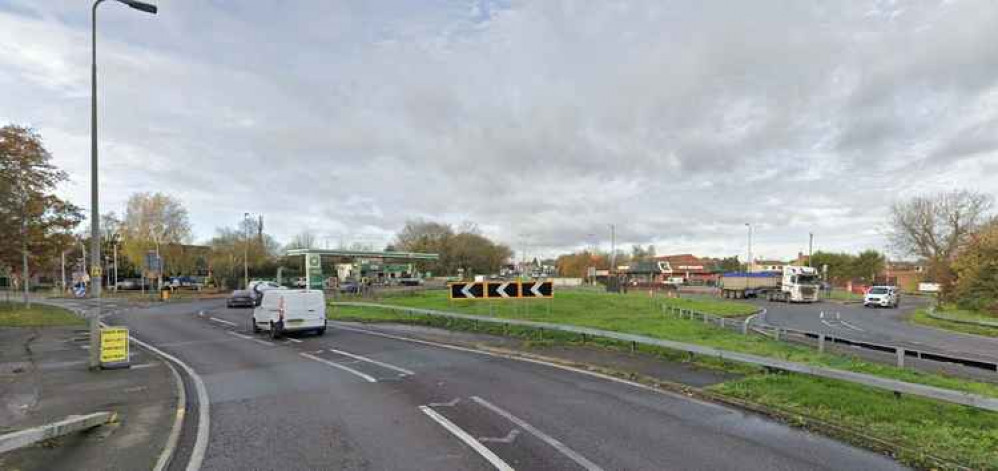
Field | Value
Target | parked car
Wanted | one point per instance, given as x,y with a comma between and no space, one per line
285,310
259,287
129,284
881,296
240,298
349,287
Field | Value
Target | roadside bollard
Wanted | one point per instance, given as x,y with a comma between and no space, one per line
821,343
900,353
706,318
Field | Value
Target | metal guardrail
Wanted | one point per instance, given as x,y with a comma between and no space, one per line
75,423
921,390
934,315
823,339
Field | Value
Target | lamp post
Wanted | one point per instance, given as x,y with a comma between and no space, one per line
749,266
94,200
95,255
245,250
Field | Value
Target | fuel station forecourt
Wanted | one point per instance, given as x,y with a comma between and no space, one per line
313,260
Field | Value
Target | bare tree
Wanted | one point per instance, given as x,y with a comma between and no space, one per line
934,227
304,240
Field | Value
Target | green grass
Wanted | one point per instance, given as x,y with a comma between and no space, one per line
956,433
921,316
638,315
18,315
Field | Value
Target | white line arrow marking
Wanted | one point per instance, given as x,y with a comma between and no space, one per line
452,403
502,289
536,289
467,291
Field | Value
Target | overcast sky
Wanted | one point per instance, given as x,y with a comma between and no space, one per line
542,122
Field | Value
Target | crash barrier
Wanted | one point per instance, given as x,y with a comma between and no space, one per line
935,315
932,392
72,424
751,325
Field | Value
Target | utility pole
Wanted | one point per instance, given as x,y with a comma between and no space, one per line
810,247
613,249
245,250
749,266
62,258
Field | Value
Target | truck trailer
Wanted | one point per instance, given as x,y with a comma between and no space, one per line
792,284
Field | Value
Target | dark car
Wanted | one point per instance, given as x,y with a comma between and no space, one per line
349,287
240,298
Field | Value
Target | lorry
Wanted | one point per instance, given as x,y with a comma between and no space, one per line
792,284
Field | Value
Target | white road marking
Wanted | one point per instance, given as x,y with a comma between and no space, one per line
247,337
369,379
557,445
289,339
821,315
827,323
467,439
204,425
142,365
223,321
851,326
507,439
372,361
166,456
572,369
452,403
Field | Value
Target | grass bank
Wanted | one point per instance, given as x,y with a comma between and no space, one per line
926,428
38,315
921,316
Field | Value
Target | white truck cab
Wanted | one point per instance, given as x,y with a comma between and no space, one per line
287,310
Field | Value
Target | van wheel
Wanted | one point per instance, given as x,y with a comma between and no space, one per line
320,331
255,328
275,330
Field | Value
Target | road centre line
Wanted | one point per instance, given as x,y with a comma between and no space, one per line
372,361
223,321
368,378
247,337
467,439
555,443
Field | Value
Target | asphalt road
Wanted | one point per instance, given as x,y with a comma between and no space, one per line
359,400
878,325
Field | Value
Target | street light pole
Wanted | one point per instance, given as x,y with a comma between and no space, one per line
245,250
95,256
749,266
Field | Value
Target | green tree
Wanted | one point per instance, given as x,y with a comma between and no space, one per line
976,269
35,225
154,221
935,227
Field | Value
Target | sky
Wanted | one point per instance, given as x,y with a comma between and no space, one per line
542,122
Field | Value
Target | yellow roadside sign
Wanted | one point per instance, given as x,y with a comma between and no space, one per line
114,346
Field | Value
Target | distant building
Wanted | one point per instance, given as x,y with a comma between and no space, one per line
690,268
767,265
905,275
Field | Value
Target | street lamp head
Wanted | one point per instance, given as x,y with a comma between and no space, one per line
142,6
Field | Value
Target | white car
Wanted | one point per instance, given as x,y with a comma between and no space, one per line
286,310
882,296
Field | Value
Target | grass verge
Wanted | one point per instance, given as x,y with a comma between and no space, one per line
921,316
923,431
38,315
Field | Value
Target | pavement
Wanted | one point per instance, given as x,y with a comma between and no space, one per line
374,398
44,378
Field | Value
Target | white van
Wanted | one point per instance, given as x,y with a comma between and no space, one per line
290,310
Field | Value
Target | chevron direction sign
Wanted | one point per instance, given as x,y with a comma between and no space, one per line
501,290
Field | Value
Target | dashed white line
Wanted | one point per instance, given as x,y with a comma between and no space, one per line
557,445
368,378
851,326
372,361
467,439
289,339
827,323
222,321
